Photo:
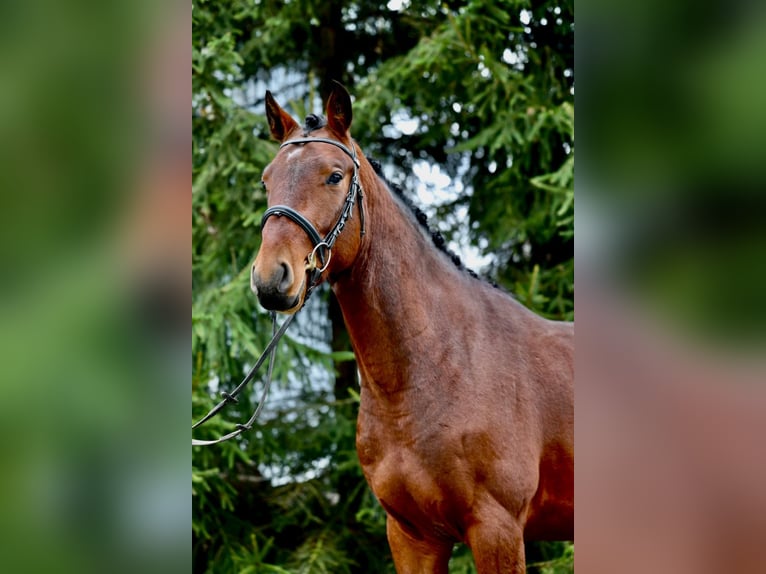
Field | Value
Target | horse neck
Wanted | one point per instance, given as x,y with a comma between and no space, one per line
397,297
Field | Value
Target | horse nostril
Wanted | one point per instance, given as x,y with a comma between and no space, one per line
287,277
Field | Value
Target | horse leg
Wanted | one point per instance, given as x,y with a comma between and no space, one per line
412,556
497,547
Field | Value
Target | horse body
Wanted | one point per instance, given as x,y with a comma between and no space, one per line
465,427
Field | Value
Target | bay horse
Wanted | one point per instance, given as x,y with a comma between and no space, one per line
465,431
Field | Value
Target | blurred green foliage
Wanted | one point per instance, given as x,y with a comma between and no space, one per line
675,171
489,86
92,477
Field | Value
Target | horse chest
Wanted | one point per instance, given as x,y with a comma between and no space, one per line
413,481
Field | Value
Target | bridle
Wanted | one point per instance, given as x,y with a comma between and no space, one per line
322,248
354,190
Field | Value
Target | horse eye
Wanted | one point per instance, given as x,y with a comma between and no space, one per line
335,178
263,185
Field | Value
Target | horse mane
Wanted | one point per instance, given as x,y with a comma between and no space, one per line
436,237
313,122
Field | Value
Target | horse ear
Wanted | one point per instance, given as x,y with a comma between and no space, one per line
339,109
280,122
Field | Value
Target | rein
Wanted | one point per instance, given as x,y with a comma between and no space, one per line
312,269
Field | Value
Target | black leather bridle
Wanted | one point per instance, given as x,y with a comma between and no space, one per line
322,247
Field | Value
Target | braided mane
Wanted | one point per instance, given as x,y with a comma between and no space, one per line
438,239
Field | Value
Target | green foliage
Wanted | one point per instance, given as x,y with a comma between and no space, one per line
495,109
490,89
550,558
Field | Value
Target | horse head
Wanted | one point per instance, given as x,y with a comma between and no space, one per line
309,231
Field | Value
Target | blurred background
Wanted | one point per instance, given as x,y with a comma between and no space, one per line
671,272
469,107
94,179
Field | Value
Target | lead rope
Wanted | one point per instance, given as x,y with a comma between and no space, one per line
271,352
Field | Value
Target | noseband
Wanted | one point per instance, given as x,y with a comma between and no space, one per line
323,247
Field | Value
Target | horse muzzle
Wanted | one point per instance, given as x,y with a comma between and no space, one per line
273,289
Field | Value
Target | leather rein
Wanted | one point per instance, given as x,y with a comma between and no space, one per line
322,248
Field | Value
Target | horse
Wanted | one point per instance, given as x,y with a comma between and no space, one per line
465,429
